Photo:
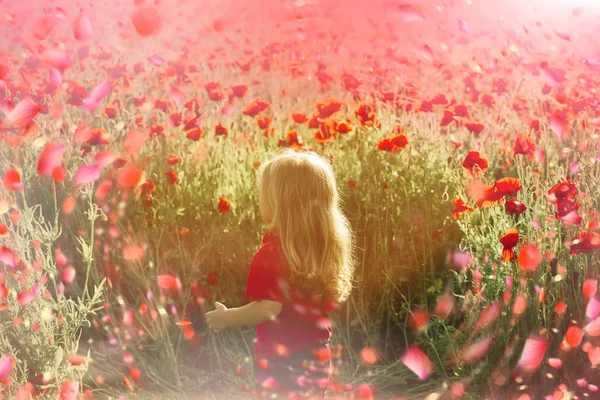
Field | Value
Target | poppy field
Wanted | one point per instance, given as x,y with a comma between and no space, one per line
464,135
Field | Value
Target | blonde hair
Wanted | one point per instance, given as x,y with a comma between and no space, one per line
300,190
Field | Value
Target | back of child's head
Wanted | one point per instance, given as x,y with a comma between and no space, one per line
299,188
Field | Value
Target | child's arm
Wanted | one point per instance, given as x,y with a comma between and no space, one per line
253,313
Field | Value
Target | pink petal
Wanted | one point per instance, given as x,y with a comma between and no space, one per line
417,361
593,309
60,13
571,218
104,158
25,297
69,390
8,257
533,353
593,328
408,13
58,59
176,95
563,34
93,100
555,363
427,53
157,60
55,77
50,157
476,351
134,141
87,174
574,167
82,28
463,26
594,355
6,367
134,252
68,274
23,113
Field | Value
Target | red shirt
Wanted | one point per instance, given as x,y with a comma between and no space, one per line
302,322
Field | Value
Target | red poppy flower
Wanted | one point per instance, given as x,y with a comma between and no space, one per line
393,144
110,112
328,107
447,119
508,186
585,242
172,159
216,95
565,207
139,101
172,176
220,130
212,279
509,241
562,191
294,140
194,134
460,208
472,160
161,105
240,90
366,114
474,127
255,107
314,122
524,145
263,122
223,205
299,118
514,207
342,127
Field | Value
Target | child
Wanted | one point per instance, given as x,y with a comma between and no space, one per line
301,272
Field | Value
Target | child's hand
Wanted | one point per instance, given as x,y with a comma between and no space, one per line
216,319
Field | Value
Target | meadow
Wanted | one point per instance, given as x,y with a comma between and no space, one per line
466,153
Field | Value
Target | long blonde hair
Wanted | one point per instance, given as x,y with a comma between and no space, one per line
300,190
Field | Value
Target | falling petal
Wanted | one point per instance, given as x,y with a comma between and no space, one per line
87,174
408,13
6,367
69,390
590,287
50,158
12,180
417,361
134,252
592,311
476,351
68,274
563,34
533,353
593,328
529,257
23,113
555,363
427,53
58,59
146,20
463,26
95,98
82,28
129,176
166,281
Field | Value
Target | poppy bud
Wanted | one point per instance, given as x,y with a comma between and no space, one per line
515,207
